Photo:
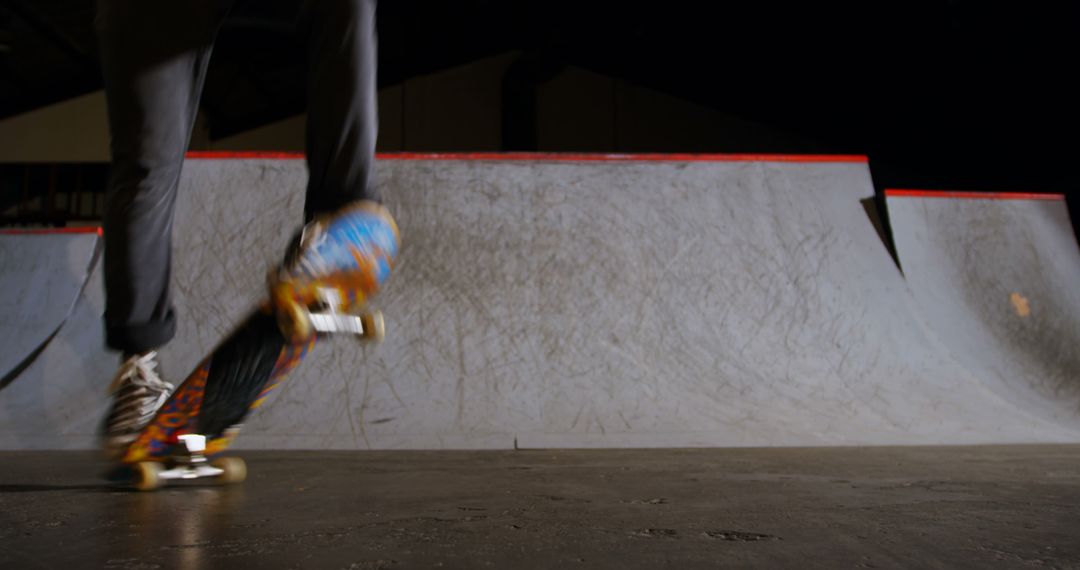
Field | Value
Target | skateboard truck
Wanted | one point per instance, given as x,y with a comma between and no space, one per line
328,315
334,320
194,464
190,465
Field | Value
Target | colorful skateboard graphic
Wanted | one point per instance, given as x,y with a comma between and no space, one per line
341,262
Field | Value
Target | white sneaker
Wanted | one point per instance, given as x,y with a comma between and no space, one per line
137,393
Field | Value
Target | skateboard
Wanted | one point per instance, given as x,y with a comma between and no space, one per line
334,268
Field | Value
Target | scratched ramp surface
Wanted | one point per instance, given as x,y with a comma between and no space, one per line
567,304
41,276
997,280
594,304
57,400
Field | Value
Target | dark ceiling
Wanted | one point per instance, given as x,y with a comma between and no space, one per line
946,93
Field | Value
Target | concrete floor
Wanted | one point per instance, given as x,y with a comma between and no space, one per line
941,507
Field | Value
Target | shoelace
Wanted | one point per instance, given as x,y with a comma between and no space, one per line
138,378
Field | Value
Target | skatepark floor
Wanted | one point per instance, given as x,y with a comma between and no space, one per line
881,507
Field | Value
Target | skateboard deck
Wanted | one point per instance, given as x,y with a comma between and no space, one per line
203,415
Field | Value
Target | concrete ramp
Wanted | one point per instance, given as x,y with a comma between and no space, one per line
584,302
577,303
42,275
57,397
997,277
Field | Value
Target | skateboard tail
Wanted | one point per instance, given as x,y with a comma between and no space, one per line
173,417
218,395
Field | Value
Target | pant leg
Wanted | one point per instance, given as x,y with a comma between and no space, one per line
154,56
342,107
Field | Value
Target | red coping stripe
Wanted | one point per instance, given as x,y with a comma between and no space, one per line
555,157
964,195
47,231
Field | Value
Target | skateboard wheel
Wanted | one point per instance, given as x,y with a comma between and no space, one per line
294,322
234,470
374,326
147,475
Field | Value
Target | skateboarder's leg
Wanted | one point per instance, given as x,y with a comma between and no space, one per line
154,57
342,114
342,128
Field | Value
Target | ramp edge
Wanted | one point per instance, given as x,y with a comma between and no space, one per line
550,157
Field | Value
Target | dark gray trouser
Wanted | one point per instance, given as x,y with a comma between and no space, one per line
154,57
